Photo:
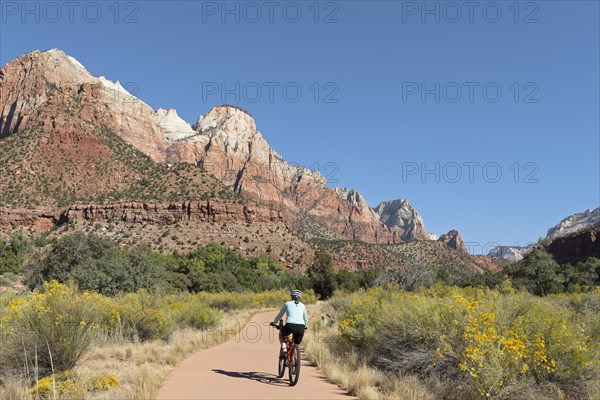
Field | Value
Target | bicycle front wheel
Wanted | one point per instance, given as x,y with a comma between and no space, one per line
281,370
294,368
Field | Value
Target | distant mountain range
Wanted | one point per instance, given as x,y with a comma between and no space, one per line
81,148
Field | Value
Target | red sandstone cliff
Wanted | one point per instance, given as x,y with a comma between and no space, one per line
52,93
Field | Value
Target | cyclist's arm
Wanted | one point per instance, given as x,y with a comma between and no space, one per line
280,314
305,317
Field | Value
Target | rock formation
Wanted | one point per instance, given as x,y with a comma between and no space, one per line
400,216
510,253
453,240
30,82
53,92
574,223
576,247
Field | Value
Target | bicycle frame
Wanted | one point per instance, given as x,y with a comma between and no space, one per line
291,360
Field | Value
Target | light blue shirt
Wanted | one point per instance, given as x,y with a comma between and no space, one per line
295,313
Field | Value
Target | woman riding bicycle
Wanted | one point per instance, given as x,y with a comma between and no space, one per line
296,320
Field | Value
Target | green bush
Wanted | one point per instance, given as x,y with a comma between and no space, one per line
96,264
189,311
542,275
143,317
12,254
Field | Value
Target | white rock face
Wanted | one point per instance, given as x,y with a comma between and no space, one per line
575,223
354,197
117,88
132,118
511,253
359,203
173,127
401,216
234,131
433,236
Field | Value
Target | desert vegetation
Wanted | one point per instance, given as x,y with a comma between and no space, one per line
115,170
99,321
458,343
59,342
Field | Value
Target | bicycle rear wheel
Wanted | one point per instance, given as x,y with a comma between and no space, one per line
294,369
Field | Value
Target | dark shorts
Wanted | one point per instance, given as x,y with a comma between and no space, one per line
297,330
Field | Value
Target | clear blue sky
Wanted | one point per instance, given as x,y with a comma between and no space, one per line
374,58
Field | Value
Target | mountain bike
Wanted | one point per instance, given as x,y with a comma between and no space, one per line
291,359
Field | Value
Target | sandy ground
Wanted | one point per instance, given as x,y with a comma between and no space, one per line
245,368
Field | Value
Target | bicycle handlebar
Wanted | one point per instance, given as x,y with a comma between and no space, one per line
280,325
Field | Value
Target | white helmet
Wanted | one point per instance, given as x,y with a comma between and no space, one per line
296,294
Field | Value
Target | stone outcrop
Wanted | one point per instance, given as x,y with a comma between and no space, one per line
400,216
171,213
576,247
510,253
173,127
453,240
137,212
574,223
38,220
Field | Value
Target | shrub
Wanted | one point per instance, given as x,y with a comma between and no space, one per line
542,275
50,330
142,316
189,311
12,254
477,343
104,382
64,384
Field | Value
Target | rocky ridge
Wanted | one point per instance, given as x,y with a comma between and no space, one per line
574,223
111,152
226,143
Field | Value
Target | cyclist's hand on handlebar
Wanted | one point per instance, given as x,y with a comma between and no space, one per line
306,327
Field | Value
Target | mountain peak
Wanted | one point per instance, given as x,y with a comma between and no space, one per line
453,240
401,216
174,127
229,118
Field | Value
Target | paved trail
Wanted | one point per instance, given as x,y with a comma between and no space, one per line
245,368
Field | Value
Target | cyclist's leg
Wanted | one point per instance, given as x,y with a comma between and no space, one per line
283,332
298,333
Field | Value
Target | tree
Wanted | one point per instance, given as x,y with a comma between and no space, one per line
95,263
582,275
12,254
321,275
347,280
538,272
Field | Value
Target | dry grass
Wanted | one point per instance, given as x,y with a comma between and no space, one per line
349,372
13,389
141,368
